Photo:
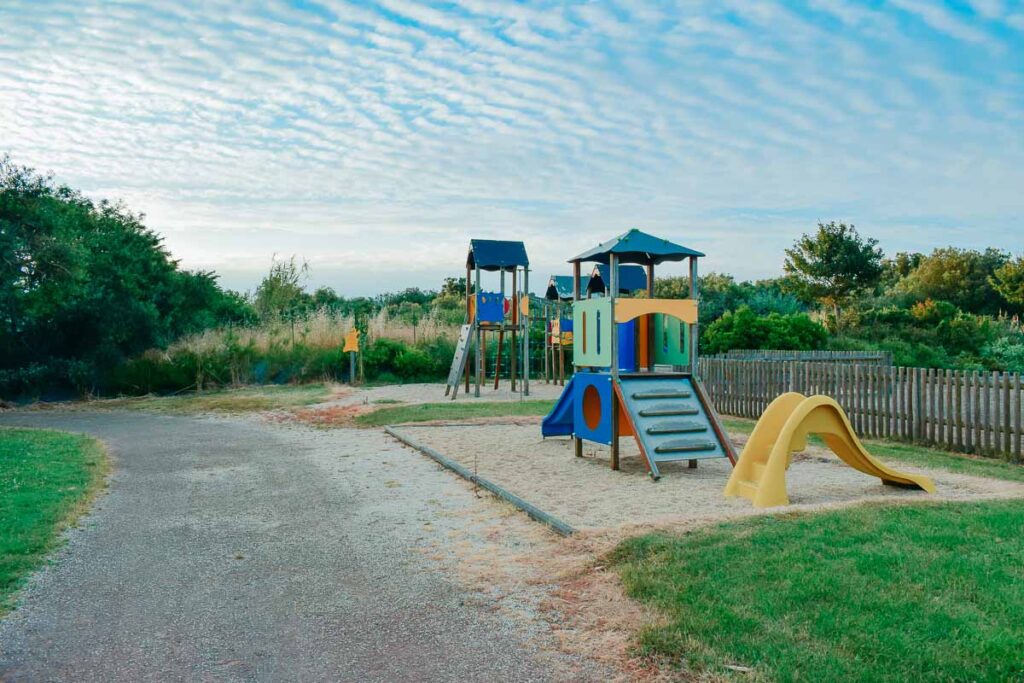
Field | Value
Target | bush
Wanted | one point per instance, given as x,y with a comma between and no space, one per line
1006,353
744,329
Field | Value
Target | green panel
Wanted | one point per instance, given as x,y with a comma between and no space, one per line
592,332
671,340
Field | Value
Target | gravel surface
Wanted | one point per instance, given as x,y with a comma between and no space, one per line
234,550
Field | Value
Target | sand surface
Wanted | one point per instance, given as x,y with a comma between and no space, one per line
587,494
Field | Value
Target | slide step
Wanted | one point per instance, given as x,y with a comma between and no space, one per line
682,446
668,411
662,393
677,427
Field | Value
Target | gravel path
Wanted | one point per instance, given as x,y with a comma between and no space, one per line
231,550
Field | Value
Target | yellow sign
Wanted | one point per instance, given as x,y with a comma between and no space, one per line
351,341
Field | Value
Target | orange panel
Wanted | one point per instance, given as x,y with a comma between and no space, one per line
684,309
592,407
643,341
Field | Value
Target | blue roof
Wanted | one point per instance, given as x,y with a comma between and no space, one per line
635,246
631,278
496,255
560,287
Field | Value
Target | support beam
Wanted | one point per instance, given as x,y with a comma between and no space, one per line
526,332
649,319
513,357
469,317
479,354
695,295
613,293
577,442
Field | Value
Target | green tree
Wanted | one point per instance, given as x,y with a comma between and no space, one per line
899,267
85,284
281,291
963,277
454,286
1008,281
833,265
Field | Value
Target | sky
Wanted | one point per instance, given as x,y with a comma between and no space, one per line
373,140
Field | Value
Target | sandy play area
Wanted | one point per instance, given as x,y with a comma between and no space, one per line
586,493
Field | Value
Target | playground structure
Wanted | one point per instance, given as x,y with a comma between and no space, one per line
495,313
557,311
635,362
760,473
635,366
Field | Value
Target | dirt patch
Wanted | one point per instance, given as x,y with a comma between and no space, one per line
325,416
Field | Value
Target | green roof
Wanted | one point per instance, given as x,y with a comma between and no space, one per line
639,247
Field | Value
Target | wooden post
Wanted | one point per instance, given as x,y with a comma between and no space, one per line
695,295
577,442
497,360
526,331
513,360
649,319
547,344
479,356
470,319
613,292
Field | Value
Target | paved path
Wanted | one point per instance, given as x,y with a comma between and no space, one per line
229,550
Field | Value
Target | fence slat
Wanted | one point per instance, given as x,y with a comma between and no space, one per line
1017,418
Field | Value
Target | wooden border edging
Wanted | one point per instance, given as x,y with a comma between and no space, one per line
534,512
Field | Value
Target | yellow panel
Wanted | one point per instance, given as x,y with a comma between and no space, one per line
351,342
684,309
524,305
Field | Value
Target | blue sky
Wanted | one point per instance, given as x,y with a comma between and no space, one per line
374,139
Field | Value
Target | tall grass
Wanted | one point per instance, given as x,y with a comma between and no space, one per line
300,349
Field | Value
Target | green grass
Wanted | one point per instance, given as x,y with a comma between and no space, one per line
228,401
47,479
932,592
921,456
452,410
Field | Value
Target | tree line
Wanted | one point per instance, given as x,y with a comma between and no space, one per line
86,286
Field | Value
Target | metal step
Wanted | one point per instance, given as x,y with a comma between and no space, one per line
684,446
668,411
662,393
677,427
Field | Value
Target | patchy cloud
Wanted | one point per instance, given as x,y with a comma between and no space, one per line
375,138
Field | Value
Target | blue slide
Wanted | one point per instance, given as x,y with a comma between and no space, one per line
559,421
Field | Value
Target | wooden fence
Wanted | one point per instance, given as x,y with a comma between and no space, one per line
958,410
870,357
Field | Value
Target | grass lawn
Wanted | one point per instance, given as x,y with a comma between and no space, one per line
244,400
47,479
932,592
451,410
